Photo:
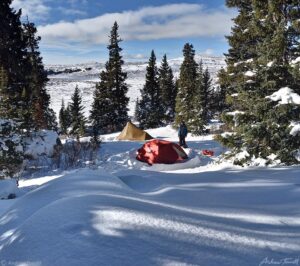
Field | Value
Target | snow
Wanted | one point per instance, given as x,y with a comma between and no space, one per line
124,212
285,96
41,144
297,60
7,187
295,128
249,73
63,85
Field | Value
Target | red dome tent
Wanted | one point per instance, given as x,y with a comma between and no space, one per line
161,151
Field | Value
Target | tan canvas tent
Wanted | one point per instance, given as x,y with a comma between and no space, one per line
132,132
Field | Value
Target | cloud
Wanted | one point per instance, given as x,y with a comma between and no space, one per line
148,23
135,56
72,11
34,9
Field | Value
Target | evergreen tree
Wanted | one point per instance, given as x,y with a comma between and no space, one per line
109,110
3,92
200,102
262,127
26,98
137,110
76,109
150,110
167,90
189,100
13,59
43,116
63,123
207,97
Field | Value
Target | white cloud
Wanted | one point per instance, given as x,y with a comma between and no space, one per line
32,8
149,23
72,11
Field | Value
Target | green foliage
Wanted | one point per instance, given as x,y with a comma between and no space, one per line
194,87
263,43
26,99
167,91
78,120
109,110
150,109
11,149
64,123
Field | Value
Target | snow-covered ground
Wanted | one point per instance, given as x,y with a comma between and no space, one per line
125,212
62,86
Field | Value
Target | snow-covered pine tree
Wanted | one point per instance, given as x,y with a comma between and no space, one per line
262,120
136,109
167,90
77,116
150,109
196,123
200,102
207,96
11,149
191,95
109,110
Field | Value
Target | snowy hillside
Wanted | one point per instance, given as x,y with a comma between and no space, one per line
86,75
128,213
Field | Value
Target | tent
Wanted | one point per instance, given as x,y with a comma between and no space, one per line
132,132
161,151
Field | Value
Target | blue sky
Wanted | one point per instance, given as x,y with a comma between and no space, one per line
75,31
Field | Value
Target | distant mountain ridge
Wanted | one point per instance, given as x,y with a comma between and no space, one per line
64,78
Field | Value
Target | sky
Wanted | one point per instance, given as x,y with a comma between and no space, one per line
77,31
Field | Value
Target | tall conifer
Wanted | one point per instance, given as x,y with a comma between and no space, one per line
167,90
262,127
109,110
150,108
77,116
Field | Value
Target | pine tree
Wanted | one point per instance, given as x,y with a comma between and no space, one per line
13,59
26,96
207,96
63,123
187,87
150,111
200,101
3,92
37,78
262,127
167,90
109,110
137,109
78,119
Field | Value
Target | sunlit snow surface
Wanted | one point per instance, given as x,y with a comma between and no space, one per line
128,213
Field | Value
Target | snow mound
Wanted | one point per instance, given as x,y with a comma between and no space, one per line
295,128
7,187
42,143
285,96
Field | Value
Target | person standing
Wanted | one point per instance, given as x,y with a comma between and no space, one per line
182,133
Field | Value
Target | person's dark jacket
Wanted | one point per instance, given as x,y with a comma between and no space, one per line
182,131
